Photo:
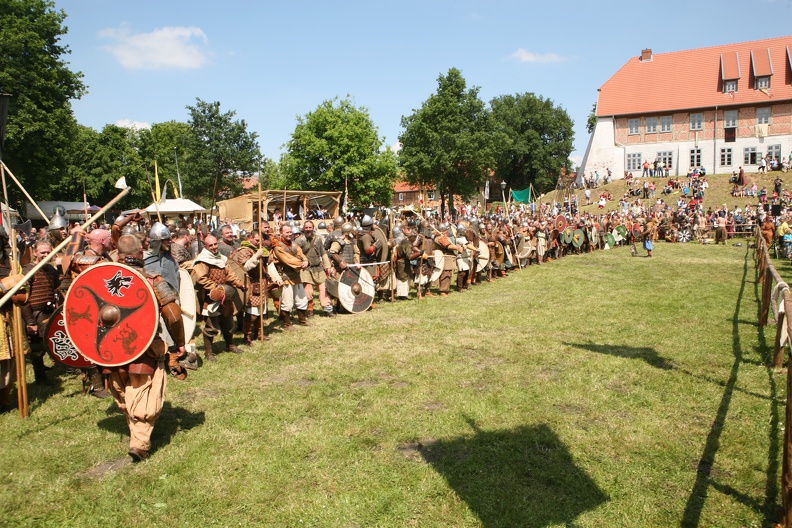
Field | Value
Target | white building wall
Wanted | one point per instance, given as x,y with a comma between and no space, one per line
602,152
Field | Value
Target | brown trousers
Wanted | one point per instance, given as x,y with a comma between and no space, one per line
140,397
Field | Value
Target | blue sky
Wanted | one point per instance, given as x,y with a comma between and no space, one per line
145,61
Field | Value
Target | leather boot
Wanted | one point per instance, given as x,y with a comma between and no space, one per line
247,328
303,317
97,385
39,370
229,344
286,318
310,308
209,354
5,400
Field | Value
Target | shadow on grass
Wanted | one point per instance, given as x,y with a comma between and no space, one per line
171,420
647,354
519,477
705,479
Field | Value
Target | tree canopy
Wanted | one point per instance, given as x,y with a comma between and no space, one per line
535,140
448,142
41,124
336,145
220,150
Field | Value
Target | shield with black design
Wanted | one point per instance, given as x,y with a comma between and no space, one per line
560,223
111,314
578,238
354,289
59,346
483,257
524,248
684,235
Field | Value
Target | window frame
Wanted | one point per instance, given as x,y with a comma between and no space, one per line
666,123
762,119
651,122
762,82
695,157
730,123
730,86
636,157
726,153
697,124
633,126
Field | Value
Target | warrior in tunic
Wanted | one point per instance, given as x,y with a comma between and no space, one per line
289,261
319,268
248,257
40,307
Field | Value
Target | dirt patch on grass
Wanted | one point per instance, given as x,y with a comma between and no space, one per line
194,395
435,406
414,450
548,374
103,468
363,384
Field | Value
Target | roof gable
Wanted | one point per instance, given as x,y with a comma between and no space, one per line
693,79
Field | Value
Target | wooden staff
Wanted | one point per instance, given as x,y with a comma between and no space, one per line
32,201
392,272
16,313
262,294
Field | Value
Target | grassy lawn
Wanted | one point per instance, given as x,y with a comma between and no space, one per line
600,390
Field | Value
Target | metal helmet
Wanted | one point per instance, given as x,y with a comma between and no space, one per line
57,222
159,231
338,222
444,227
321,225
366,221
347,228
399,224
157,234
461,228
297,230
130,229
398,234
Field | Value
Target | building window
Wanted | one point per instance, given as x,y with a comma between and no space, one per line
751,156
726,157
695,157
634,161
665,124
401,197
430,195
730,118
697,122
729,86
774,151
762,83
633,126
667,158
651,125
763,116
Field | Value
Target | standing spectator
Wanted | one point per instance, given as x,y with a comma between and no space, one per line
645,169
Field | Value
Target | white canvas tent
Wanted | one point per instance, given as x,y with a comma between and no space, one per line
74,210
173,206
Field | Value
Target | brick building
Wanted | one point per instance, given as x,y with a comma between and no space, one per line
720,107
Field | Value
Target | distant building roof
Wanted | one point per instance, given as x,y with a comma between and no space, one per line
692,79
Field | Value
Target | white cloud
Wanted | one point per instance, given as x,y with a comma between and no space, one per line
135,125
523,55
167,48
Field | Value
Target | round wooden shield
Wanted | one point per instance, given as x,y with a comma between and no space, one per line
684,235
524,247
617,236
500,253
189,306
595,236
567,235
636,229
578,238
610,241
622,230
554,234
379,235
354,289
483,257
111,314
59,345
560,223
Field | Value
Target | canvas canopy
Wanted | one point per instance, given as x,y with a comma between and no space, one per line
244,209
74,210
173,206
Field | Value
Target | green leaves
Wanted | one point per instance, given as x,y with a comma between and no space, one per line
336,145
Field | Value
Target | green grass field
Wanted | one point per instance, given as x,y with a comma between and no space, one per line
599,390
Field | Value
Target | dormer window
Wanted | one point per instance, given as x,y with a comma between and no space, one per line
762,83
729,86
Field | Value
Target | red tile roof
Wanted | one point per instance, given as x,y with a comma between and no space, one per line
692,79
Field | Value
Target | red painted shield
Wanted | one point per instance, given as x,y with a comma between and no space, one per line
111,314
560,223
59,345
636,229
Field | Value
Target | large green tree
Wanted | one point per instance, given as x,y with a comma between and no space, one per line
536,140
336,145
222,152
96,162
169,144
448,142
41,124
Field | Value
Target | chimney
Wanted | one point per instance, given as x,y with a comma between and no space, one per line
646,55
